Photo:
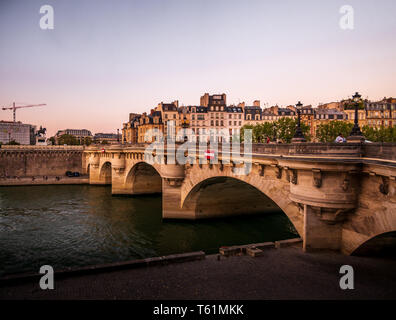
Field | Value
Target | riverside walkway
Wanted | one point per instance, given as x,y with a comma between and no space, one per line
285,273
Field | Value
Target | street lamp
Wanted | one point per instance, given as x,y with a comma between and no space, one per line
298,136
356,135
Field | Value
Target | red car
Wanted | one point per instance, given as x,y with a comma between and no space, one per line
209,154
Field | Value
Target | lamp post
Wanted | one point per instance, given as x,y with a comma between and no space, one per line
356,135
298,136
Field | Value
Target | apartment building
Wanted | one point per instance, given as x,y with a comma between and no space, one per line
323,116
234,120
19,132
381,113
130,129
199,122
150,127
216,107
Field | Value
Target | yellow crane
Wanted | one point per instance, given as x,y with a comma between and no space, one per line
14,108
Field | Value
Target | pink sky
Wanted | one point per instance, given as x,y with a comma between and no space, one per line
106,59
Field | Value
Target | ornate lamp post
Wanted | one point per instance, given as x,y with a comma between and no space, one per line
356,135
298,136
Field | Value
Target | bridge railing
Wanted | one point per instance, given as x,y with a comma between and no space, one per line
380,150
385,151
30,147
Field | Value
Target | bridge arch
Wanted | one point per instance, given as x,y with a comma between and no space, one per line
143,178
383,244
105,173
261,194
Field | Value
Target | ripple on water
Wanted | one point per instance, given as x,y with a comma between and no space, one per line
71,226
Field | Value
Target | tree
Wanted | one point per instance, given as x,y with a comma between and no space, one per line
68,139
328,132
262,131
86,141
283,129
381,134
242,131
13,143
52,139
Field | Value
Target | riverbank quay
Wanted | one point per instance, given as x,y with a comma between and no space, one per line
285,273
43,180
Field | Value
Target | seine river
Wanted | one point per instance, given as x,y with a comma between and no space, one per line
80,225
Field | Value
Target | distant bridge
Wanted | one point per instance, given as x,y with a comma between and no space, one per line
337,196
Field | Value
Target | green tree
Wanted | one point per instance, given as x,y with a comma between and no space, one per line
381,134
283,129
242,131
328,132
13,143
68,139
87,141
350,105
262,131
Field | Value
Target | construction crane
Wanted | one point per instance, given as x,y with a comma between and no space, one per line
14,108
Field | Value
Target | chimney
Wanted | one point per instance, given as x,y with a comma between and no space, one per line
256,103
204,101
224,98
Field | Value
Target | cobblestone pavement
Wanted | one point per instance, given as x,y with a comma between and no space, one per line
285,273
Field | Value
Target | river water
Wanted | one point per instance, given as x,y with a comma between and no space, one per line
80,225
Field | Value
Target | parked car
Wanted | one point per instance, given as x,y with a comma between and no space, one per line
69,174
76,174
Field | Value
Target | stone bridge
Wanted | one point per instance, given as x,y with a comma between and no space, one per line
338,196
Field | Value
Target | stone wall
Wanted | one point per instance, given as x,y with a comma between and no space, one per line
28,161
337,196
